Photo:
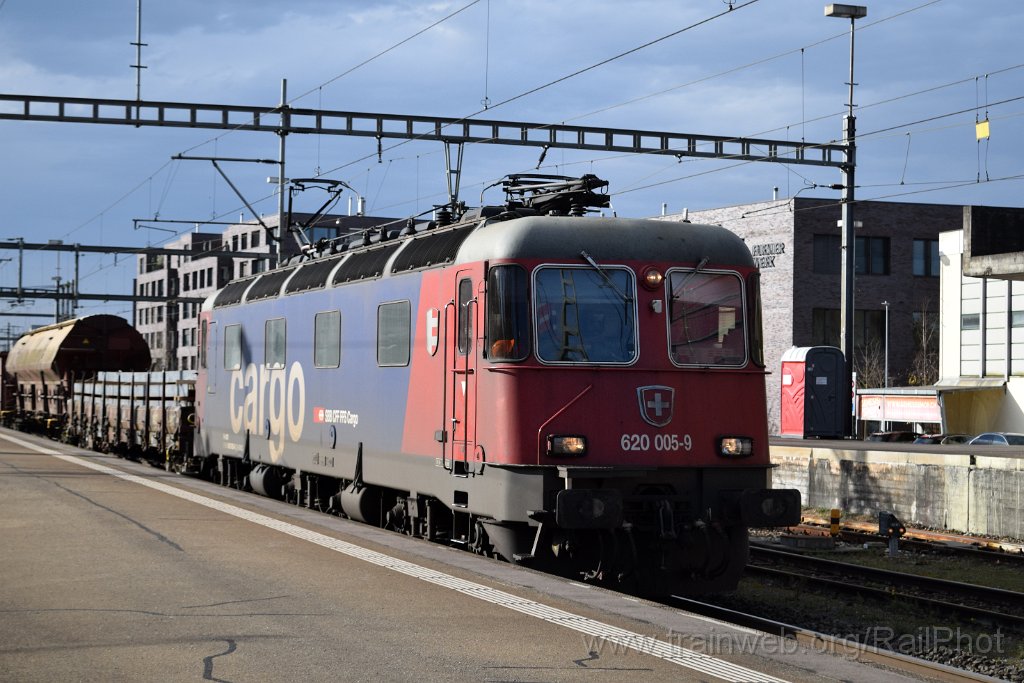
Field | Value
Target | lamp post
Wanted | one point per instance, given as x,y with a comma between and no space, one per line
851,12
885,396
886,304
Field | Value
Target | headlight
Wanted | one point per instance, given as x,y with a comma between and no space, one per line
735,446
567,445
652,278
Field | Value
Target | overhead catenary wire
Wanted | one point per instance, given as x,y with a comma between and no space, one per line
745,162
348,71
631,51
771,211
561,79
764,60
803,117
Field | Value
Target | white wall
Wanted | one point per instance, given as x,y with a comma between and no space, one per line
982,352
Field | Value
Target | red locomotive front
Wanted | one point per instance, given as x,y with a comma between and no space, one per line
620,376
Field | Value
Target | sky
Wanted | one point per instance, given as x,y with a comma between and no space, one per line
925,72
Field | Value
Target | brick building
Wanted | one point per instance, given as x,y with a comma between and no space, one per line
796,243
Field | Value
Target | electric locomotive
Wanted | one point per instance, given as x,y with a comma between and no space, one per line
581,394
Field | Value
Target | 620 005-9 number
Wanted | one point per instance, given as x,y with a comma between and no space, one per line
661,442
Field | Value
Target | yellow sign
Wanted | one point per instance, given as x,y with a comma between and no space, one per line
981,130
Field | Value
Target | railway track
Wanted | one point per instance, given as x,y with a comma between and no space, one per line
968,602
814,640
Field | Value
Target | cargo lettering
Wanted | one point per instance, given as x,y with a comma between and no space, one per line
273,396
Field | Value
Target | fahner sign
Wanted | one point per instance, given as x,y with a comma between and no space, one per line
764,254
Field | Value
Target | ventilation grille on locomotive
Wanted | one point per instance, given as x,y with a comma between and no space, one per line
363,265
269,284
232,293
311,276
431,249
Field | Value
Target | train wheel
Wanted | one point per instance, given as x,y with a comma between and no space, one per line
727,558
481,544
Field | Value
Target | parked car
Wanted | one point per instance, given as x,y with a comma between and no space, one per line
943,439
997,439
893,437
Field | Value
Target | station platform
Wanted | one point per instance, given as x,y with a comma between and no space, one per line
113,570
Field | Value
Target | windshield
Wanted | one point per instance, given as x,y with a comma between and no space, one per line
706,318
581,315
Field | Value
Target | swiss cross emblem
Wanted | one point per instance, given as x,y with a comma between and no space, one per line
656,404
432,318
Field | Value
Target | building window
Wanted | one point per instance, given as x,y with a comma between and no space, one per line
868,327
926,258
872,256
393,329
209,276
254,238
234,243
274,344
970,321
327,339
827,254
245,241
1017,319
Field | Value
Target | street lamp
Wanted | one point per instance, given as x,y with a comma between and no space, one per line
851,12
886,304
885,396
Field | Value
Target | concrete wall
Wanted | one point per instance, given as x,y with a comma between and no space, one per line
973,493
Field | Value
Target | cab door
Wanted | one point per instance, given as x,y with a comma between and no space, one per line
461,390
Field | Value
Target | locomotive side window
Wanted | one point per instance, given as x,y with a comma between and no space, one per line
202,345
327,339
232,347
508,313
585,315
273,343
393,332
465,316
706,318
